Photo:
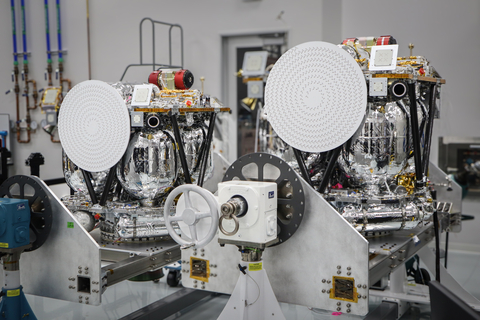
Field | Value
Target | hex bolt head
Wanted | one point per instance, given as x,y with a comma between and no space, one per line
203,287
339,272
348,305
338,309
364,297
349,268
348,310
359,285
364,286
349,273
339,303
359,296
328,291
323,290
339,267
323,280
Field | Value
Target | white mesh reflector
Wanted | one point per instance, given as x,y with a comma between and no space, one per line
94,125
315,96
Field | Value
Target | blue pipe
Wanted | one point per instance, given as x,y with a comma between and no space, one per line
24,34
47,32
14,33
59,33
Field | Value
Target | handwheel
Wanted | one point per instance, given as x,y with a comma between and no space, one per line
191,216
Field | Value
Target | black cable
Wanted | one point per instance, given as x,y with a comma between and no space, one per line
437,246
446,248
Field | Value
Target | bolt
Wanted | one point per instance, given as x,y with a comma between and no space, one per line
329,281
364,286
202,282
348,310
86,268
338,272
323,280
203,250
339,267
86,272
364,297
87,302
349,268
349,273
338,309
203,287
328,291
348,305
359,286
79,267
359,296
80,297
195,286
86,298
214,265
323,290
211,265
80,271
339,303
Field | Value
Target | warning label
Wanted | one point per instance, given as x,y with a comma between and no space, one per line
255,266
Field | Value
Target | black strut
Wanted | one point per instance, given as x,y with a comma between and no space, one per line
329,171
429,130
205,154
108,185
181,151
416,135
301,164
87,176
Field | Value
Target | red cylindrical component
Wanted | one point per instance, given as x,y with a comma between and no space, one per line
154,77
183,79
386,40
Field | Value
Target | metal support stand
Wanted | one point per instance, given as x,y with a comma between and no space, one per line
416,135
14,305
253,296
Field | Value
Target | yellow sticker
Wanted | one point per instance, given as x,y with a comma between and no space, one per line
13,293
3,245
255,266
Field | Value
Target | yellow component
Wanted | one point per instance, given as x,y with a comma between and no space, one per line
360,60
199,269
344,289
245,80
250,102
149,136
13,293
408,181
3,245
255,266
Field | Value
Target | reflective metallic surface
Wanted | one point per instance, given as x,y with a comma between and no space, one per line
380,147
76,181
149,167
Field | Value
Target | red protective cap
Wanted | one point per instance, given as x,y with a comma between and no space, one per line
153,78
183,79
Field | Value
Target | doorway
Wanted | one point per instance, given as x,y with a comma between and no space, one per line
239,136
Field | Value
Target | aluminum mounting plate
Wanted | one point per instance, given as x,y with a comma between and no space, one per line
94,126
315,96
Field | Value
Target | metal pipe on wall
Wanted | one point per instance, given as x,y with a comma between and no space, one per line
15,78
49,53
26,91
62,80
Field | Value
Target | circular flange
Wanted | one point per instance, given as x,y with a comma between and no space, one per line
290,195
24,187
315,96
94,126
